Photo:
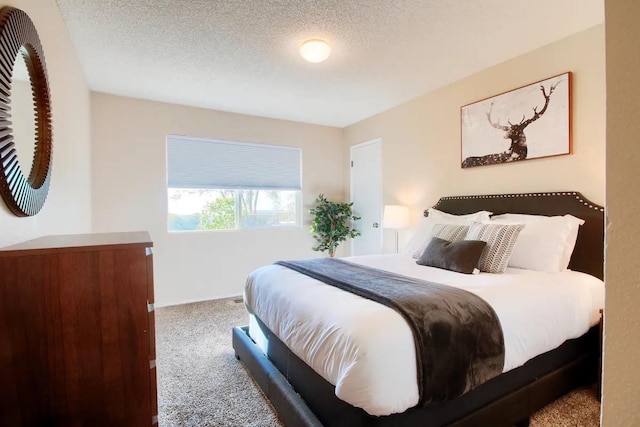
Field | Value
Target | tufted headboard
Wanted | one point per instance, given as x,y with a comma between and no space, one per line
588,255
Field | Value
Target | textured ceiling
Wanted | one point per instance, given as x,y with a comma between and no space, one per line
242,55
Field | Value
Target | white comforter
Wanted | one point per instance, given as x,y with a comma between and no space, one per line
366,349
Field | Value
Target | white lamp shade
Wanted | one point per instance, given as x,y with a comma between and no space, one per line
395,216
315,50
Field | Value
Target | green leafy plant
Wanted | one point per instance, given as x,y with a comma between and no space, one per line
219,214
332,224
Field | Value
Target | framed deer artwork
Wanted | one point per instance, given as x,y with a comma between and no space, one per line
530,122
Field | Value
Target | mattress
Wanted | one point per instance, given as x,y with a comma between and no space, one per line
366,349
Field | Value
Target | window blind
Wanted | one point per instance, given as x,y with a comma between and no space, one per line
202,163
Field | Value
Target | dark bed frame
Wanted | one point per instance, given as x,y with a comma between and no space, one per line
301,397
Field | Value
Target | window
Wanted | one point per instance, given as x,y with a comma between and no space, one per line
224,185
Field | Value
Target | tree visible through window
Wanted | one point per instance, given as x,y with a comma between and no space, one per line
207,209
219,214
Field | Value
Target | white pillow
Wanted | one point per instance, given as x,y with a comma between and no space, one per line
422,236
545,244
472,217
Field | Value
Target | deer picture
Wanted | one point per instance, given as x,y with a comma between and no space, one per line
514,132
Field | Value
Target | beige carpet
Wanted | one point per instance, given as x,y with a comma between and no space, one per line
200,383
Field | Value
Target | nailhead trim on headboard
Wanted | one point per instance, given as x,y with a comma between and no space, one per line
585,202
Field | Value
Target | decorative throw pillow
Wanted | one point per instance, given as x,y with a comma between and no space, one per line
461,256
449,232
500,239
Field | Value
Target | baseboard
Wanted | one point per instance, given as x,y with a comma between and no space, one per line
191,301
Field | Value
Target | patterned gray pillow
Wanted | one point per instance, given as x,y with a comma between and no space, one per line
500,239
448,232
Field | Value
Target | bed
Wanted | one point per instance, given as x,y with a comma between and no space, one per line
302,396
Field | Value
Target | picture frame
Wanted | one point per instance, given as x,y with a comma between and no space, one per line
530,122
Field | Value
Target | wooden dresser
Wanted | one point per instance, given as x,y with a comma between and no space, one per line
77,333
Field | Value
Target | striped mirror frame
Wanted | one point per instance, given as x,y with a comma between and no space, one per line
24,192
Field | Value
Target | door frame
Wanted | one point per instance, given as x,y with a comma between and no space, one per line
377,140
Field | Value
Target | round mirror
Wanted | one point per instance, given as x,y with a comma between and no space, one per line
25,115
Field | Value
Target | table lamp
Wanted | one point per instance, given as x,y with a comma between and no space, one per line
395,217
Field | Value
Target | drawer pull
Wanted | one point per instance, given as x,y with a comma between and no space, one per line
152,364
150,307
148,251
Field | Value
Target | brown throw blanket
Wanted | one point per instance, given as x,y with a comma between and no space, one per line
458,337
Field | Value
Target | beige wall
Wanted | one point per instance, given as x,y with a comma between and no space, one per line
622,322
68,207
421,139
130,191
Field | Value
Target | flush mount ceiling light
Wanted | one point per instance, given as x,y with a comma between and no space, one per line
315,50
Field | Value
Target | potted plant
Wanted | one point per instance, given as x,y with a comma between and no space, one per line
332,224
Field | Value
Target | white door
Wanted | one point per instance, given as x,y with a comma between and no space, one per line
366,195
